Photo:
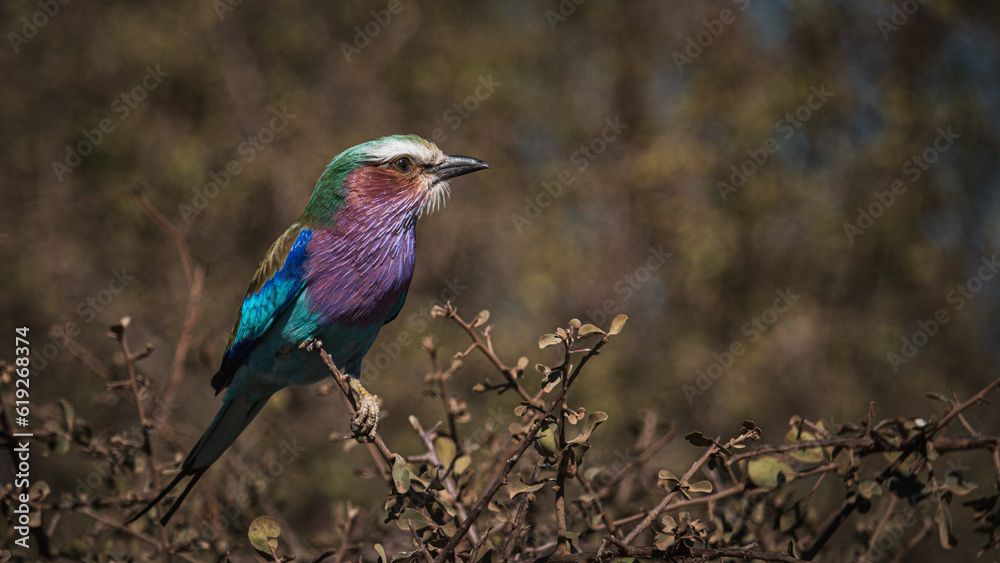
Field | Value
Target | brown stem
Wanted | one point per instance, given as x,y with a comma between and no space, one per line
668,555
184,340
125,529
501,478
522,512
670,496
449,481
486,348
907,448
638,461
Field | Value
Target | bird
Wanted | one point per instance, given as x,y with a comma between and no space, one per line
337,275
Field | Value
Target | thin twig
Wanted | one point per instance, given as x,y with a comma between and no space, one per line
118,333
877,532
670,496
419,542
522,512
449,482
341,380
352,513
609,524
486,347
184,340
172,231
528,439
638,461
324,555
910,446
671,554
148,539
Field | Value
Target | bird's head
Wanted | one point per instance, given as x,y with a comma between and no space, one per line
402,175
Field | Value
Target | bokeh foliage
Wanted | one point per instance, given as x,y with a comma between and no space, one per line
554,84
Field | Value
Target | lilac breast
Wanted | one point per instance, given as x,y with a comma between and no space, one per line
357,273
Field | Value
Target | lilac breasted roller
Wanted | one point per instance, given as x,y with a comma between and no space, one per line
336,275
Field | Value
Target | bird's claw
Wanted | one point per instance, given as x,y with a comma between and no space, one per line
365,423
311,345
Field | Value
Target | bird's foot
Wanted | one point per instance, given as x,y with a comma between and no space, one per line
311,344
365,423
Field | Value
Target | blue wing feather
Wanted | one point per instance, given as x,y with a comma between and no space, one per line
278,281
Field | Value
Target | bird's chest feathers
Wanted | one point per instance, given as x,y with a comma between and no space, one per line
357,273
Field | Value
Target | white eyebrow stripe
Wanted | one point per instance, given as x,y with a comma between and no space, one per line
424,153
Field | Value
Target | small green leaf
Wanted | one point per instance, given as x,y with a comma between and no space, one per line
769,471
617,324
574,323
792,518
593,421
549,340
699,439
806,455
520,409
68,414
60,447
939,397
700,487
400,474
588,329
488,557
445,449
577,450
263,534
39,490
869,488
550,380
381,553
943,519
462,463
418,519
665,475
481,318
517,486
545,443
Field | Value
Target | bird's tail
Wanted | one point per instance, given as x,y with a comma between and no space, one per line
229,422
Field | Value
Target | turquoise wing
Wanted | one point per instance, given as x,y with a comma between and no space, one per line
279,280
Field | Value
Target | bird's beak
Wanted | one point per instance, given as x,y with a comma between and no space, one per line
455,165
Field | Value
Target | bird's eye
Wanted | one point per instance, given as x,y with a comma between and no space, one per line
402,164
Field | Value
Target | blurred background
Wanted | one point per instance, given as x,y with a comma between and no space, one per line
795,203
